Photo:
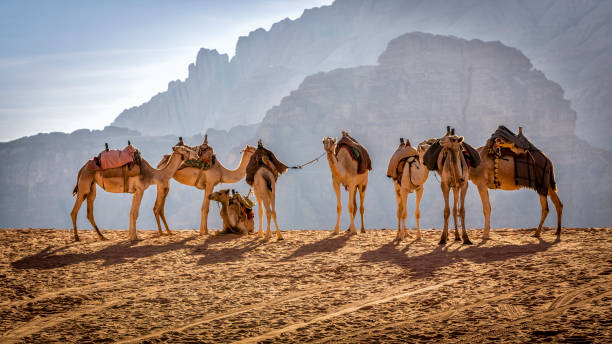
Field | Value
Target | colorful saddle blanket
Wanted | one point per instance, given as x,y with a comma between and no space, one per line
358,152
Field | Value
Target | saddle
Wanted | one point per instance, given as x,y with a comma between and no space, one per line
404,153
358,152
115,163
430,159
206,156
266,159
532,168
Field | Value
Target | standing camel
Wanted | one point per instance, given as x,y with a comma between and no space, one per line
453,170
485,177
262,171
409,174
139,178
344,169
208,179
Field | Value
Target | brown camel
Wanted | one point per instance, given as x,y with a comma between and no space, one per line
208,179
234,218
412,178
453,171
344,170
262,171
139,178
484,177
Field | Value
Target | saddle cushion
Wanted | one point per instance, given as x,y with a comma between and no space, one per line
358,152
266,159
116,158
398,160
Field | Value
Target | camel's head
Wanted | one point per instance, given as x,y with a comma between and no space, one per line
328,144
248,150
451,162
424,146
185,152
220,196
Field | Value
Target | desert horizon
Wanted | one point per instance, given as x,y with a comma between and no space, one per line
312,286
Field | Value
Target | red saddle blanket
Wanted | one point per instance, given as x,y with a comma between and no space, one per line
116,158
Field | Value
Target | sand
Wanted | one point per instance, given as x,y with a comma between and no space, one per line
311,287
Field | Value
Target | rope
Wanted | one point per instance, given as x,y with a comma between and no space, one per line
307,163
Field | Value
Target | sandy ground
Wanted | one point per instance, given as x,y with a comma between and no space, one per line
311,287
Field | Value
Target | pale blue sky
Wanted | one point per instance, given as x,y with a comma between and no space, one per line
66,65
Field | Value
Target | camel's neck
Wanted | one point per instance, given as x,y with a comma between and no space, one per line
333,163
234,176
164,174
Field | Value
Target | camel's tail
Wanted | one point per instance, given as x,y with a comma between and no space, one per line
266,177
75,191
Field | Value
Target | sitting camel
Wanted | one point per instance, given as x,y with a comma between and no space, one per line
207,179
499,172
345,170
262,172
235,215
139,177
409,175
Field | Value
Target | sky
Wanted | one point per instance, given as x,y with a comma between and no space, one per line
72,64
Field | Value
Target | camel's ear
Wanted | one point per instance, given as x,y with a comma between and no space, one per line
460,139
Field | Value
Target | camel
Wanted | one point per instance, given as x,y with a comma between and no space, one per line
208,179
139,178
344,171
484,178
412,179
454,172
262,171
234,219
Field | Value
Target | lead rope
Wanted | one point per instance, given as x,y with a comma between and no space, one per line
308,163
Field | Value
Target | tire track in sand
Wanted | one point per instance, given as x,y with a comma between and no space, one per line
344,310
212,317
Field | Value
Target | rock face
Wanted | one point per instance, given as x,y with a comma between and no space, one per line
567,40
424,82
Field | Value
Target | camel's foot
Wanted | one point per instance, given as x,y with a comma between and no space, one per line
204,231
279,238
457,238
260,234
168,232
134,238
466,240
76,238
536,235
101,237
558,231
442,241
352,230
362,230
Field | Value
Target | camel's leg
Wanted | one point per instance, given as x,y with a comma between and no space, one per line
162,210
273,211
404,196
134,213
464,234
400,209
445,191
417,211
455,214
352,208
544,205
157,208
260,214
558,207
338,207
486,209
205,207
362,190
268,217
75,211
91,197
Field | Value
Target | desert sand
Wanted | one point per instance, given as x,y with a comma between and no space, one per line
311,287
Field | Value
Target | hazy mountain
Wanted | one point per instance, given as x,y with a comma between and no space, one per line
568,40
423,83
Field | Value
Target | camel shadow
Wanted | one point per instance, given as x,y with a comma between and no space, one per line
121,252
427,264
330,244
225,254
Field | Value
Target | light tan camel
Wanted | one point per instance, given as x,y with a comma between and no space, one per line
483,177
231,213
453,171
208,179
138,180
264,188
413,178
344,171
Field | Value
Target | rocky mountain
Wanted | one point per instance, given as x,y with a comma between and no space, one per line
567,40
422,83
